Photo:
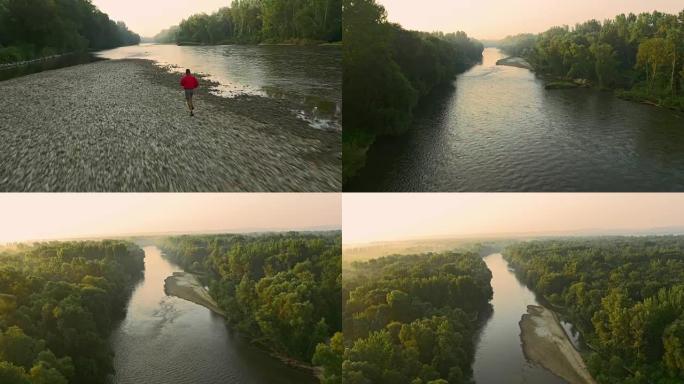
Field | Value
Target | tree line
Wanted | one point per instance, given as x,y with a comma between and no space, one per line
409,319
38,28
282,290
386,72
625,295
57,304
641,56
257,21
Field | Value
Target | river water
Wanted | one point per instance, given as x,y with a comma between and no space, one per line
167,340
499,356
498,129
309,77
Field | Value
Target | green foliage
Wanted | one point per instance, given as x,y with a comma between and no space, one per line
255,21
642,56
37,28
58,301
626,295
281,289
410,319
386,71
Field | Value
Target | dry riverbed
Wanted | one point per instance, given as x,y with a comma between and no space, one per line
545,343
122,125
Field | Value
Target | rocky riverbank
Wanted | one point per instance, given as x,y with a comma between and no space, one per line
122,125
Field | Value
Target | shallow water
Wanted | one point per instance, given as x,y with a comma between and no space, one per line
310,77
499,356
497,129
167,340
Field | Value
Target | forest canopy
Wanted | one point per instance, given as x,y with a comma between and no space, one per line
282,290
626,296
57,304
256,21
386,72
36,28
409,319
640,55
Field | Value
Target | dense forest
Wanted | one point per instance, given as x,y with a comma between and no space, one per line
37,28
283,290
626,295
57,304
386,71
261,21
409,319
641,56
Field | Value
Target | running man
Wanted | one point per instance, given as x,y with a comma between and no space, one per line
189,83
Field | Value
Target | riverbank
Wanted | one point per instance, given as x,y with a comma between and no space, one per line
545,343
122,126
187,287
517,62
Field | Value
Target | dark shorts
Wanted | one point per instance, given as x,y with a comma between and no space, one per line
188,93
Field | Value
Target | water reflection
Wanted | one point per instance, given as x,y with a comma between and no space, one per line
499,357
167,340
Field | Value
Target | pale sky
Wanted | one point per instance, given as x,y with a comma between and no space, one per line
148,17
394,216
495,19
26,216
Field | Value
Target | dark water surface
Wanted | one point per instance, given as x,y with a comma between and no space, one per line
167,340
498,129
499,356
310,77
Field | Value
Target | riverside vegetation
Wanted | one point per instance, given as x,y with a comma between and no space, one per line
261,21
639,56
41,28
282,290
409,319
386,72
58,301
625,295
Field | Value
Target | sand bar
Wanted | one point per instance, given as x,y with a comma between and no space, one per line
545,343
186,286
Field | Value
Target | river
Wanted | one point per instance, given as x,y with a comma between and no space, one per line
497,129
167,340
499,356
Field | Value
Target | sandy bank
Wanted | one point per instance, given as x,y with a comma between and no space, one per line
122,125
515,62
186,286
545,343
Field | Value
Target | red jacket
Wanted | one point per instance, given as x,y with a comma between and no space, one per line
189,82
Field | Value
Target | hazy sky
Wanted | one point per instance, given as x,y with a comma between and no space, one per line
386,217
493,19
27,216
148,17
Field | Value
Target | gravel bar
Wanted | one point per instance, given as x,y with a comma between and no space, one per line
122,125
